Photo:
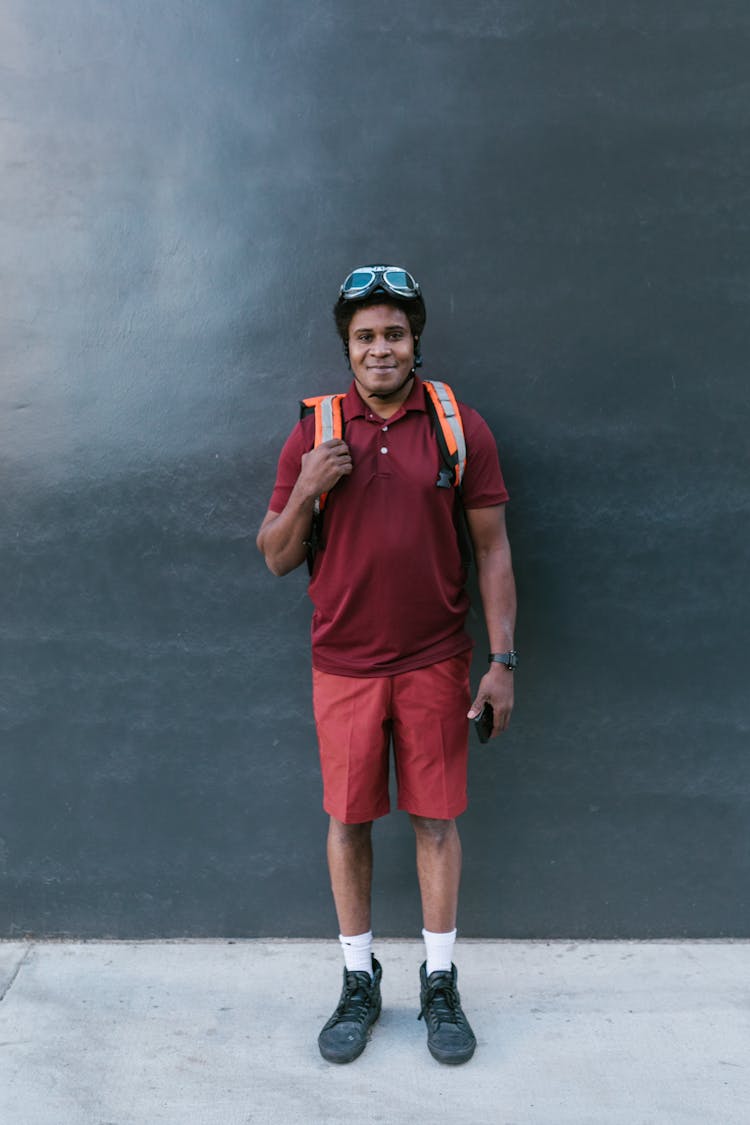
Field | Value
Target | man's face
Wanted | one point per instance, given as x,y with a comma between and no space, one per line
381,349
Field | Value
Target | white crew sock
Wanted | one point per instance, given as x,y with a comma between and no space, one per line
357,952
439,951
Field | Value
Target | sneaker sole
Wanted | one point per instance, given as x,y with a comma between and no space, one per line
451,1058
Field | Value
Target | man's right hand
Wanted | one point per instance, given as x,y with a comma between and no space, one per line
323,466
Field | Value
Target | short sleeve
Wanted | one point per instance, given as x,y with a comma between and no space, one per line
483,484
298,443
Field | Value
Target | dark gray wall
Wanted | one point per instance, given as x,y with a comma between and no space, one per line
183,187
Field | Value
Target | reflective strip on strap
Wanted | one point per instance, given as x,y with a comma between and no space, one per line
453,418
329,424
326,420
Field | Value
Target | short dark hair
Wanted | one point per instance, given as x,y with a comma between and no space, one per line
343,312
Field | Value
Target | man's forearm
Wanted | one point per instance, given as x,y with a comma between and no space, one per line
282,538
498,589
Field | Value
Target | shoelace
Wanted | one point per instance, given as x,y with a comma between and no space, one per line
355,1004
441,1003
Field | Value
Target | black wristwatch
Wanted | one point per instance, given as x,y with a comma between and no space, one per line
509,659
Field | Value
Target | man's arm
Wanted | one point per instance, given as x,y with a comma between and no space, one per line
282,535
498,590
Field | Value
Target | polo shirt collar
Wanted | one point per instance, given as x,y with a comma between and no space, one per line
356,407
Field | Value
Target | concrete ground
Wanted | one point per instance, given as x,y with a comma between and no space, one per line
224,1033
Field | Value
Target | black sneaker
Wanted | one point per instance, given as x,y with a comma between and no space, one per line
345,1035
449,1036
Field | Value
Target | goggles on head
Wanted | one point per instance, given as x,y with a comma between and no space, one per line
391,279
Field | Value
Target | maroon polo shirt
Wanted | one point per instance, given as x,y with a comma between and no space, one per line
388,583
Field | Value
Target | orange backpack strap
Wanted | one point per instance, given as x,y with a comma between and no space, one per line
329,424
449,431
329,416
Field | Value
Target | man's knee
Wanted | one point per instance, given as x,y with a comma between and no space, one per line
432,831
349,835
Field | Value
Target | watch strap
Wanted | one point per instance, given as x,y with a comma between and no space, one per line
509,659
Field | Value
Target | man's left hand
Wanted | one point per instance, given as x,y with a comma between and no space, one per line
496,688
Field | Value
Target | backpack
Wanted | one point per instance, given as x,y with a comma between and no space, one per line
449,434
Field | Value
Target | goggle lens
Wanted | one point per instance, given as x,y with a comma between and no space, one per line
360,279
400,279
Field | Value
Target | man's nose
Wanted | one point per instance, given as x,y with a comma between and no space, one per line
381,347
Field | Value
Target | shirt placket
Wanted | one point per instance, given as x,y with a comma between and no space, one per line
382,439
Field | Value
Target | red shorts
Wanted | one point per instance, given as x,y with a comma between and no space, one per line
424,712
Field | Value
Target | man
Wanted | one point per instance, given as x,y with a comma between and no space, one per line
390,654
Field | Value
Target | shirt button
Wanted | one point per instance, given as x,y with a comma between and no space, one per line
384,429
384,449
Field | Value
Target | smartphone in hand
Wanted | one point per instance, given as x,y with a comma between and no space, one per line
484,722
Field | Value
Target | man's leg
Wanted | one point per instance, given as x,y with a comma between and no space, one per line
344,1036
449,1035
439,871
350,868
351,717
353,739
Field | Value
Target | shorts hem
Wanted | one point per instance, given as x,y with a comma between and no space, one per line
353,817
442,815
